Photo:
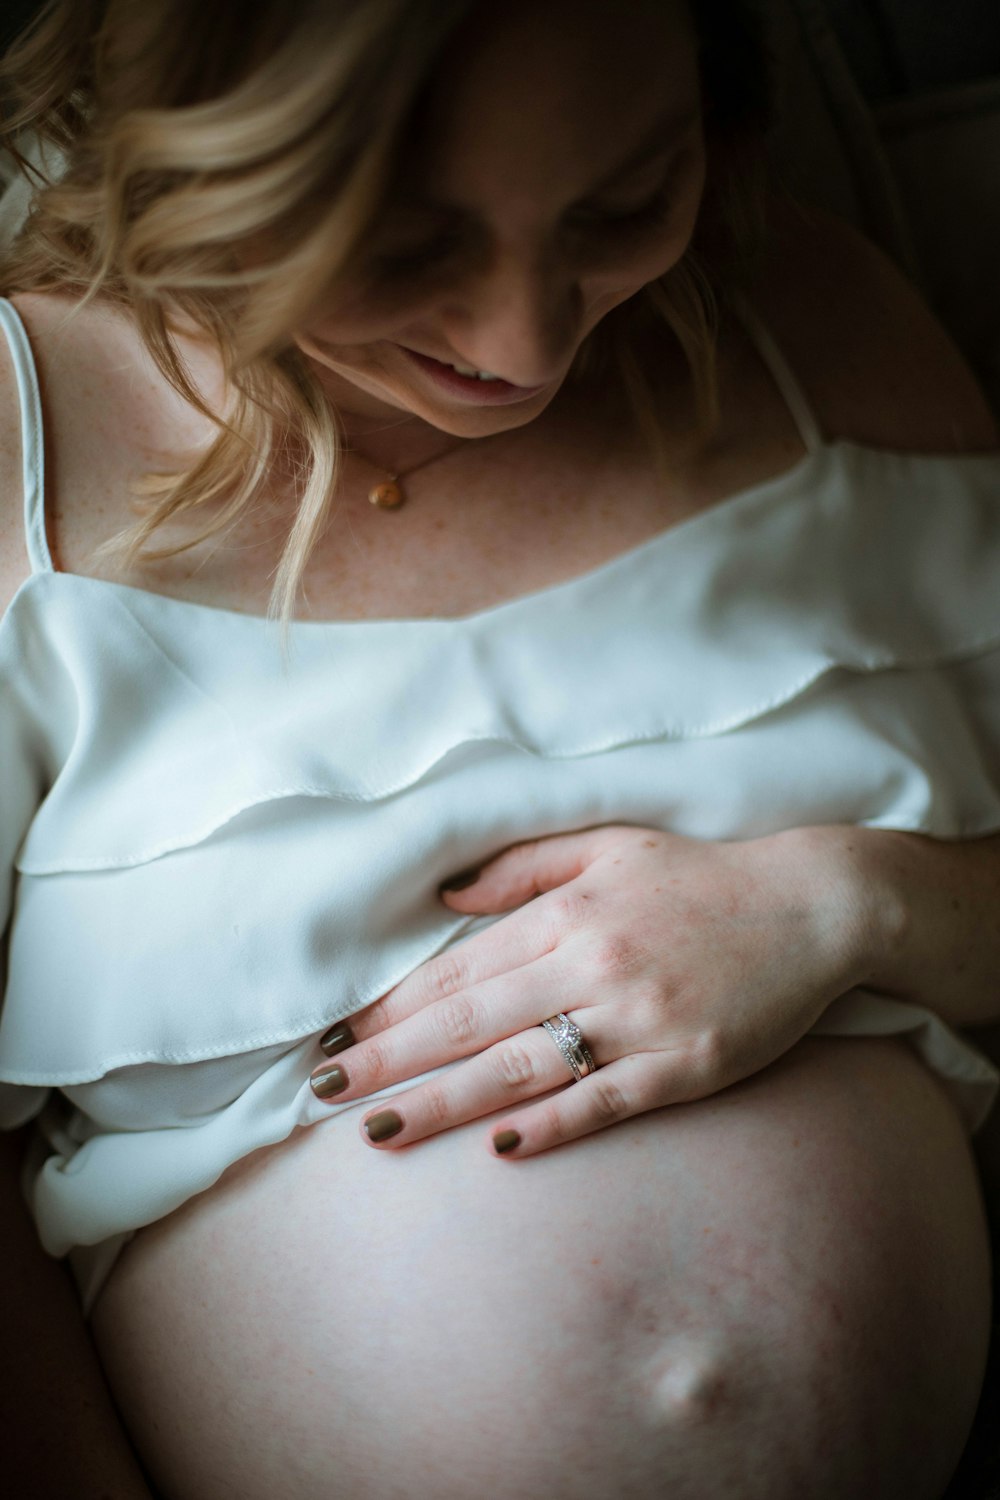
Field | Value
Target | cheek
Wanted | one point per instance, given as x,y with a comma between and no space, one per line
352,331
616,284
627,274
358,321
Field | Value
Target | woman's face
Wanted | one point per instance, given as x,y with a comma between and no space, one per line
559,168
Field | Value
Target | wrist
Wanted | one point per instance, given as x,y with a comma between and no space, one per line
908,914
854,880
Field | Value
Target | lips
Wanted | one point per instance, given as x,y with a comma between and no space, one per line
469,389
469,371
460,367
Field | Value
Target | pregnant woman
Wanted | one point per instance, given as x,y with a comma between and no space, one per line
500,748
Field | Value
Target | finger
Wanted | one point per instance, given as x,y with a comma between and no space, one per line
629,1086
520,1067
452,1028
504,948
526,870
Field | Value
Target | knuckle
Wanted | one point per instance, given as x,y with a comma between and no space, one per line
447,975
514,1065
568,910
435,1106
609,1102
379,1014
551,1125
376,1060
458,1022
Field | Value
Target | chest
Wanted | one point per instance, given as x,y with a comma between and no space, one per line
490,521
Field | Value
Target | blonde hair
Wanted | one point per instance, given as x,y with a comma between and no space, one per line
213,173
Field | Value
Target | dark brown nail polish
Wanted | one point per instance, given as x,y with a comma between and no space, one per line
337,1039
505,1140
381,1126
460,881
328,1082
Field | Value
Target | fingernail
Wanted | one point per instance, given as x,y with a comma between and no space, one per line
337,1039
329,1081
505,1140
381,1126
460,881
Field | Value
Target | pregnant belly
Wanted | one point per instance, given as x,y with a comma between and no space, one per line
436,1322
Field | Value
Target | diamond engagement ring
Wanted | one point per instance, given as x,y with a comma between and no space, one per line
569,1039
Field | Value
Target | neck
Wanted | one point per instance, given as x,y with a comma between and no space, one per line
389,436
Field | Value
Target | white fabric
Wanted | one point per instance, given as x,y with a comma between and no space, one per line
212,851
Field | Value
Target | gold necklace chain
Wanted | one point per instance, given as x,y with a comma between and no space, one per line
389,495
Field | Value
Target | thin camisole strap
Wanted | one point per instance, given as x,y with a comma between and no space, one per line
32,438
781,373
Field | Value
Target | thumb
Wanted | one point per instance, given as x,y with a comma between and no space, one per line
523,871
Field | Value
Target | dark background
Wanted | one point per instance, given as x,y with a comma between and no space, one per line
895,47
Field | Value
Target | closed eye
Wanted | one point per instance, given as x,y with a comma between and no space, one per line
651,212
428,256
654,210
434,256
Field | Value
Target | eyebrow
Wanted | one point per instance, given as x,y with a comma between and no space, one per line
657,141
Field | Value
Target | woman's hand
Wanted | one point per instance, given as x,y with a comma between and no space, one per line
686,965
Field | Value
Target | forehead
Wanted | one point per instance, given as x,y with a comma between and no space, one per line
535,92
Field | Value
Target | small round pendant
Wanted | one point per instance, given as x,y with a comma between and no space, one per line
386,496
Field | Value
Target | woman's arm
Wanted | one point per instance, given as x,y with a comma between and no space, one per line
932,914
61,1435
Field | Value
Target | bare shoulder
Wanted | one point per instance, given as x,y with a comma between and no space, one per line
875,362
109,416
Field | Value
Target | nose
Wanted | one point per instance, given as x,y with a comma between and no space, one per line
517,318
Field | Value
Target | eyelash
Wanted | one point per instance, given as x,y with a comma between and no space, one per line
431,258
652,211
427,258
656,210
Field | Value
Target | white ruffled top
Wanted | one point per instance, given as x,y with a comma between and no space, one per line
211,850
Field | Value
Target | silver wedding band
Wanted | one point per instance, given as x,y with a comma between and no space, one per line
569,1039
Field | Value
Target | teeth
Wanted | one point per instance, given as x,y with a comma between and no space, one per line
471,370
